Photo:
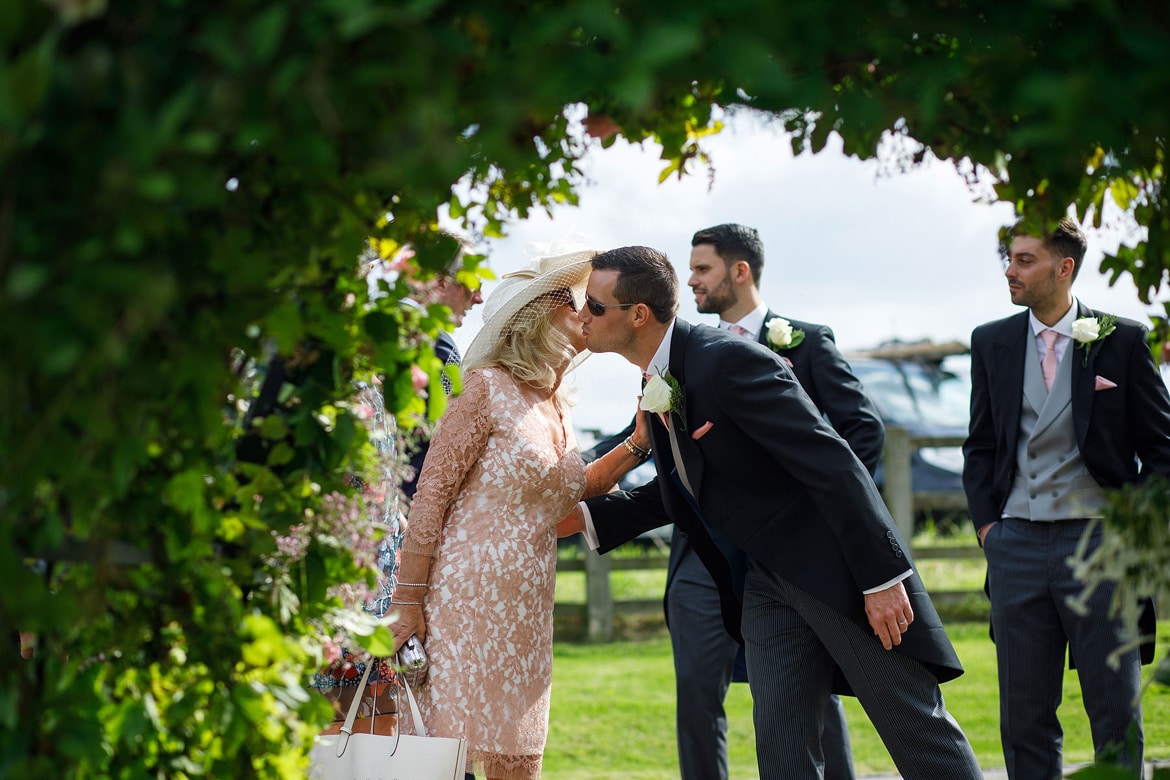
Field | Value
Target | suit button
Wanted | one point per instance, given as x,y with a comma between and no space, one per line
889,534
1055,494
898,554
1031,495
1032,476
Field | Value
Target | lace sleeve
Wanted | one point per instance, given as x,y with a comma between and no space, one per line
457,443
603,474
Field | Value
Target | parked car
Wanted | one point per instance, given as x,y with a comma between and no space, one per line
926,389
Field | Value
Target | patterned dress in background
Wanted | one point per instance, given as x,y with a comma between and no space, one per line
339,680
502,470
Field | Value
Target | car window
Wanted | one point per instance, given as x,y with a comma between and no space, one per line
916,393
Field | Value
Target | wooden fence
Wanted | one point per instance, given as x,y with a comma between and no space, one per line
600,609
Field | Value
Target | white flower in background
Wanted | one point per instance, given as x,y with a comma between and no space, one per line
781,334
1086,329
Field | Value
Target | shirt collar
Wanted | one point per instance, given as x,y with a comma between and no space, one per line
1063,327
752,322
660,363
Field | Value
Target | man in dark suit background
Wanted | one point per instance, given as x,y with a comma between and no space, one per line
1065,401
742,454
726,264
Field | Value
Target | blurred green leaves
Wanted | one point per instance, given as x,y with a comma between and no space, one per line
184,192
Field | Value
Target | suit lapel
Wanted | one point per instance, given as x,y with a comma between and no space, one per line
1011,349
1083,385
692,459
762,336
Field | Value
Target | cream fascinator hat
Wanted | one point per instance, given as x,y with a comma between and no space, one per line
524,295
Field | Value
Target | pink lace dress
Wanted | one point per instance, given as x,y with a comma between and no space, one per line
502,470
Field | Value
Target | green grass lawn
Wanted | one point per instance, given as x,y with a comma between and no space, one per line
613,705
613,711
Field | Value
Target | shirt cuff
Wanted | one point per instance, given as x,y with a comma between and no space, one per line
590,533
890,584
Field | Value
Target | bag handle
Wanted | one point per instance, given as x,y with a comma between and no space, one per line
351,716
420,728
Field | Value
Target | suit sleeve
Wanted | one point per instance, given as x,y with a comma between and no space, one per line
843,400
980,448
622,515
1150,418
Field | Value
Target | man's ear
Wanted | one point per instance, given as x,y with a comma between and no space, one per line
642,315
1065,267
740,271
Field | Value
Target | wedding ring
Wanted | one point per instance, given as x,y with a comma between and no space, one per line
903,623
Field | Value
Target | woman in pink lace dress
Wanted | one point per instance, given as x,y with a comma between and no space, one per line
478,567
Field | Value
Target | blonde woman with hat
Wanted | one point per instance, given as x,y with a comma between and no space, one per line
478,569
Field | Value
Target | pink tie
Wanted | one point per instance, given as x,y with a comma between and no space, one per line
739,331
1048,362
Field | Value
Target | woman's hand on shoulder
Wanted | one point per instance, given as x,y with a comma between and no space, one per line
641,435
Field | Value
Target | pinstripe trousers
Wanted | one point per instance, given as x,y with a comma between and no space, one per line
1034,627
794,643
704,661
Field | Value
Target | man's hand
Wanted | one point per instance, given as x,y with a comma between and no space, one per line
985,530
574,523
890,614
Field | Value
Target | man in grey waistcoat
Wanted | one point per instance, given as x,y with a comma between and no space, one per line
1066,402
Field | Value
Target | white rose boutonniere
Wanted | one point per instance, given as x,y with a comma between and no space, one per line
655,396
1089,330
781,334
661,395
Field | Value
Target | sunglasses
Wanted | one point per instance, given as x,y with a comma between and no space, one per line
598,309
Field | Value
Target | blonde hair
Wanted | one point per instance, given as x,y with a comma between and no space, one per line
532,350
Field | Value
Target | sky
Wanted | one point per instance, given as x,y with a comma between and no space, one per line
874,254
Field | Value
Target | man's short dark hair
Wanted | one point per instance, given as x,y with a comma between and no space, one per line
1066,240
733,243
645,275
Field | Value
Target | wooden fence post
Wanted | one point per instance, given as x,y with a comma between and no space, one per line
897,490
598,598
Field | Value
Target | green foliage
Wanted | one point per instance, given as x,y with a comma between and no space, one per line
1134,552
185,189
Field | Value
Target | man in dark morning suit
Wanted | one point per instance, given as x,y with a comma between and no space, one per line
1057,417
726,264
740,449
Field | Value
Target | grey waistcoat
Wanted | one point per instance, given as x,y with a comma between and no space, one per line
1051,481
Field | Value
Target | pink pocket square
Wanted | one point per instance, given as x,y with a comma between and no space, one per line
1101,383
701,431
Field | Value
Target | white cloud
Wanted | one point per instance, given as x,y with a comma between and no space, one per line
874,255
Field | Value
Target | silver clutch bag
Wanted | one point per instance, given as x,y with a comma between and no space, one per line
412,661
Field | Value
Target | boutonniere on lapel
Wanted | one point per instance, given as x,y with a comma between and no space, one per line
663,395
1087,331
781,334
